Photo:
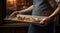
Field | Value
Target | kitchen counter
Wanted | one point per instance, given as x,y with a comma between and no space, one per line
15,25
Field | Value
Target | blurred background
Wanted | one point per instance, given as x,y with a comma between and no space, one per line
16,5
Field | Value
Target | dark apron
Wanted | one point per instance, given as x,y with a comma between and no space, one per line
41,8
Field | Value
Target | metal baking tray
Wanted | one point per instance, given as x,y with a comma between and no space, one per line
12,18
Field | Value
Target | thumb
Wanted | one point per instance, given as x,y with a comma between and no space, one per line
41,22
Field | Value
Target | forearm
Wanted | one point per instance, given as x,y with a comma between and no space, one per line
28,9
57,11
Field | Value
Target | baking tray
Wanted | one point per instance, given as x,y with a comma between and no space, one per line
12,19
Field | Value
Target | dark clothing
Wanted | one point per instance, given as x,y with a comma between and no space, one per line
41,8
39,29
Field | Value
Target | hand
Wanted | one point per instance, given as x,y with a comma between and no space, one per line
14,13
17,12
45,20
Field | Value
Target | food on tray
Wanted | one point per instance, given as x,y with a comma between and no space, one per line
24,19
15,18
27,19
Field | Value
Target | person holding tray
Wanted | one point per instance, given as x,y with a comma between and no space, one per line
42,8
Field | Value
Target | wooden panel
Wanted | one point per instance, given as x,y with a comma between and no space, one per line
13,30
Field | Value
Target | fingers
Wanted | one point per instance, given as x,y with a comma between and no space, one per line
14,13
44,21
43,24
